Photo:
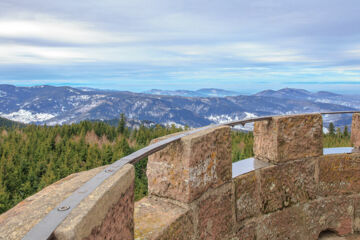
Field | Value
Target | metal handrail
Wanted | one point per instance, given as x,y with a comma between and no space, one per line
45,228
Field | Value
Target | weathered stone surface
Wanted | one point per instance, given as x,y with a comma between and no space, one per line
185,169
181,229
334,213
307,220
159,219
247,196
288,223
107,213
286,184
288,138
16,222
355,131
339,174
118,222
334,236
356,200
215,213
246,232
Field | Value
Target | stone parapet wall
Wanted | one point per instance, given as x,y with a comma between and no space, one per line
301,194
298,200
106,213
295,200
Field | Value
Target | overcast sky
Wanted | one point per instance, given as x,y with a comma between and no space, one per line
245,45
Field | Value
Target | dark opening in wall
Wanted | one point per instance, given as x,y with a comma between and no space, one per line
327,234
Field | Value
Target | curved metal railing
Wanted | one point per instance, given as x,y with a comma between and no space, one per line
45,228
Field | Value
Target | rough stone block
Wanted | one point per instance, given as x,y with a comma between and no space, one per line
286,224
246,232
107,213
160,219
286,184
118,222
335,214
187,168
356,200
215,213
247,196
339,174
355,131
287,138
16,222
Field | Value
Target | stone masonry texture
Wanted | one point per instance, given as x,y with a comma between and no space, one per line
357,213
306,221
335,213
287,138
16,222
157,218
287,184
339,174
215,213
107,213
286,224
187,168
247,198
118,222
247,232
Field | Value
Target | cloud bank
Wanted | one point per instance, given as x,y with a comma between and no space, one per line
139,44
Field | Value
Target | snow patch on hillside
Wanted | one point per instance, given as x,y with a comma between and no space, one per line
79,98
225,118
25,116
250,115
86,108
170,123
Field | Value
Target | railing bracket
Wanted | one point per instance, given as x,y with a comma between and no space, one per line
63,208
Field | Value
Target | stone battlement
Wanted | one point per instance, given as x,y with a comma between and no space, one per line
295,192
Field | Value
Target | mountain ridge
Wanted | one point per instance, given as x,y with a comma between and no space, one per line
59,105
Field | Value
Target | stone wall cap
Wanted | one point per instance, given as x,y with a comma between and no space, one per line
17,221
93,209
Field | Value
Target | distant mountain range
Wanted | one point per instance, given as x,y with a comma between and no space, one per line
204,92
58,105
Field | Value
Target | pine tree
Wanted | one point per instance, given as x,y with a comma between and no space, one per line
121,124
338,132
331,129
346,131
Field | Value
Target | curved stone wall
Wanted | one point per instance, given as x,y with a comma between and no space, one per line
297,193
293,192
106,213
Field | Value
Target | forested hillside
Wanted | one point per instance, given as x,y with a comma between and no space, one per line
8,123
32,157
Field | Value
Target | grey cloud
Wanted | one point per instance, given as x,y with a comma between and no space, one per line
188,34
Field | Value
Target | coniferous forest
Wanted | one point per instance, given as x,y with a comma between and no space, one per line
32,156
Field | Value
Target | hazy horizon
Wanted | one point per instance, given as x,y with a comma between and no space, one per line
242,92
